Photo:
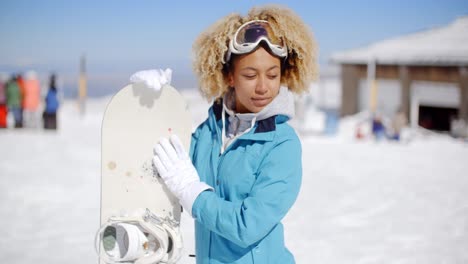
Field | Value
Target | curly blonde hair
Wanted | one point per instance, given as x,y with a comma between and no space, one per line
210,48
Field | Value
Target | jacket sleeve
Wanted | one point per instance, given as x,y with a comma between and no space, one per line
274,192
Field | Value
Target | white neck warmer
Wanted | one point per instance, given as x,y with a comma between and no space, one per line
242,123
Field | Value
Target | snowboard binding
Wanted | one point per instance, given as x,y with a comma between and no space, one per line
143,238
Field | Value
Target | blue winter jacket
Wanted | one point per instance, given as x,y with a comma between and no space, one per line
256,180
52,103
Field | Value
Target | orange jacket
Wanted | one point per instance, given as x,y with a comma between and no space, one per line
31,94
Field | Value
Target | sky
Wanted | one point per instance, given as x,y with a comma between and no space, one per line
119,38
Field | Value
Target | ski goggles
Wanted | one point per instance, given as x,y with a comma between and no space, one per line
250,34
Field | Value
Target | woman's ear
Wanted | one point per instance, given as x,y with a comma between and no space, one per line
230,79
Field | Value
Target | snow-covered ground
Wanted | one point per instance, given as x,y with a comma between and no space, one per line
360,202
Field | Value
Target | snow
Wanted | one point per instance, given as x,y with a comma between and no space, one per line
360,202
445,45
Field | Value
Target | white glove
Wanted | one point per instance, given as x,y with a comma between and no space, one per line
154,79
175,168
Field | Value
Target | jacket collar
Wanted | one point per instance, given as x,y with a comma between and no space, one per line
263,126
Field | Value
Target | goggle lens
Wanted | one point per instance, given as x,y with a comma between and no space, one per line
253,32
250,34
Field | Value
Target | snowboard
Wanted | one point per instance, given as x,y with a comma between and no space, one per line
131,190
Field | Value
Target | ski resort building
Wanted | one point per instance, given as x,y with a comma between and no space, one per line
424,74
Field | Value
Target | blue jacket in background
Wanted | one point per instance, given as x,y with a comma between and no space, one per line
256,180
51,101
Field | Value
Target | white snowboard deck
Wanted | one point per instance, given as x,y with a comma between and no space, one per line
134,121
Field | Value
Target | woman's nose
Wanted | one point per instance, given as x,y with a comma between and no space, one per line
261,87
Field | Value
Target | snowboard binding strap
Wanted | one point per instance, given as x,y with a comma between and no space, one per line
139,239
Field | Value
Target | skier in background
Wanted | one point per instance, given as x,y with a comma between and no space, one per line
399,121
32,94
378,127
244,170
14,97
3,101
51,105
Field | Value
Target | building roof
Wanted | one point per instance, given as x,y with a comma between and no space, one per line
441,46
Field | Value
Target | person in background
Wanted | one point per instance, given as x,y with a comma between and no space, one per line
399,121
20,81
51,105
378,127
14,101
244,169
3,101
31,99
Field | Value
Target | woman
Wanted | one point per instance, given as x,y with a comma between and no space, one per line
244,170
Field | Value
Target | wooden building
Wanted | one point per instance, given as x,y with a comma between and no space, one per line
421,64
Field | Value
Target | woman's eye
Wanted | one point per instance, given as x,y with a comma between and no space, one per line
249,76
272,76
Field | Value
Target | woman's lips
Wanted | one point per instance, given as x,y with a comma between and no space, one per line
260,101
